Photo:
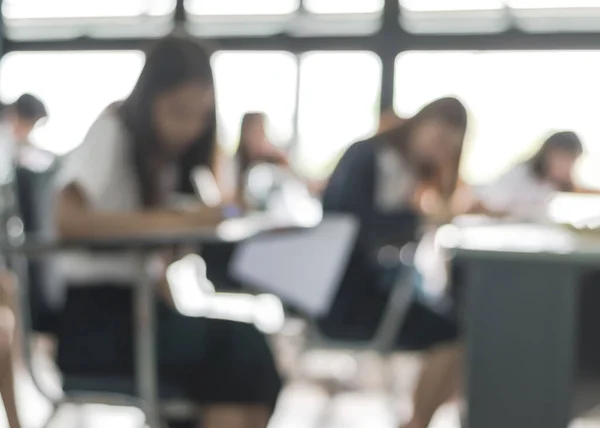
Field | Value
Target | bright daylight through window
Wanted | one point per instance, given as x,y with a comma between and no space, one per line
515,100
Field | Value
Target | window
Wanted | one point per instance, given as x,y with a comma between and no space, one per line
455,5
457,16
76,87
515,100
255,81
339,103
552,4
73,18
238,17
338,17
556,15
241,7
343,6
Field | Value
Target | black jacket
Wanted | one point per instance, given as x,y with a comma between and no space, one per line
365,287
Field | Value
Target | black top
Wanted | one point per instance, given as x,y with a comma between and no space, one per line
365,286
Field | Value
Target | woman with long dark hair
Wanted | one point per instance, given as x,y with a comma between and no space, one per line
524,189
119,181
411,168
391,182
254,148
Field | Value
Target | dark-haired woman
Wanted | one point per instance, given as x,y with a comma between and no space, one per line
254,148
413,167
524,189
119,181
17,120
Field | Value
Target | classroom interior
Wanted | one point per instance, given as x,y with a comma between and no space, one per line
521,271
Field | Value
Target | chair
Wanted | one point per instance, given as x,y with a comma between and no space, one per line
389,242
28,201
167,402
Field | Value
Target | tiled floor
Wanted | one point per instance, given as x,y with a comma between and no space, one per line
301,406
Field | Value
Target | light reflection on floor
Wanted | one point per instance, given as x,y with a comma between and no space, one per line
301,406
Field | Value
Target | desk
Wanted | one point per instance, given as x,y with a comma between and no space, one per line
146,373
522,322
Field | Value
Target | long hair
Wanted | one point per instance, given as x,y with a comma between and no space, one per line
243,156
448,110
173,61
564,141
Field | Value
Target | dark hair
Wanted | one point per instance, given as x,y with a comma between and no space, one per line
173,62
242,154
449,110
28,107
564,141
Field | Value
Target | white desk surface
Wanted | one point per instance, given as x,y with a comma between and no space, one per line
485,240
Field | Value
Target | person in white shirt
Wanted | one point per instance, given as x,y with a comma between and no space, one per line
17,120
523,191
118,182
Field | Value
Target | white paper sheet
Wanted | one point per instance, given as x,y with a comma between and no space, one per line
303,268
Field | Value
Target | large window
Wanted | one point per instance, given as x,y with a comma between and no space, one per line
241,7
339,103
556,15
485,16
458,16
255,81
515,100
343,6
39,19
76,87
238,17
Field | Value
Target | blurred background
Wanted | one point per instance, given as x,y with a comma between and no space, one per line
322,70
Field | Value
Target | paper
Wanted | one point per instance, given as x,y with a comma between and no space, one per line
303,268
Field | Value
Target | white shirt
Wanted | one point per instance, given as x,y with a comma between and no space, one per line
7,150
103,169
393,181
518,192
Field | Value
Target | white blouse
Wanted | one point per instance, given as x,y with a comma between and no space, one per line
102,168
518,192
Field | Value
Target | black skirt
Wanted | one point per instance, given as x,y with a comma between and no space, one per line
212,361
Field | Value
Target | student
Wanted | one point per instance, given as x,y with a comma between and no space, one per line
254,148
521,192
134,157
17,120
524,189
412,168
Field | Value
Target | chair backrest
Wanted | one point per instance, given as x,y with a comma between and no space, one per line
303,268
35,191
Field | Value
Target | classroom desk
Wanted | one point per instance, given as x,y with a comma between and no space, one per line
236,230
523,323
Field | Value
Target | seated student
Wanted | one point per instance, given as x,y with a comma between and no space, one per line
521,192
524,189
254,148
413,167
117,182
17,120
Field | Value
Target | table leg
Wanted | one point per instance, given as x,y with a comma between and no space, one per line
521,339
145,333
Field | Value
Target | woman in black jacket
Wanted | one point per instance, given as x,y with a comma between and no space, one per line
393,183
